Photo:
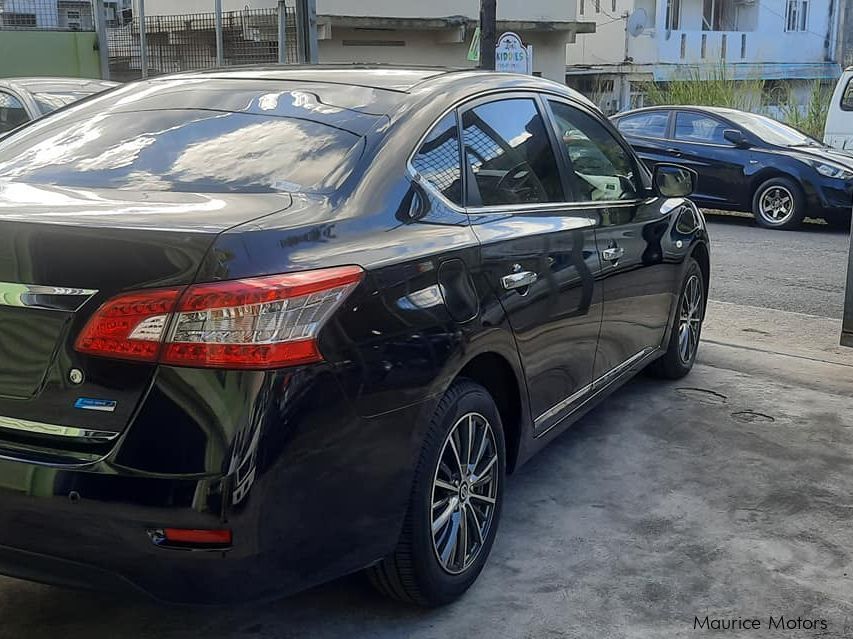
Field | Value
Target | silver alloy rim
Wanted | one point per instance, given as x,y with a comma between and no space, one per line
464,493
776,204
690,319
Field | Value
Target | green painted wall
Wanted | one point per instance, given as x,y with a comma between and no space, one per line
27,53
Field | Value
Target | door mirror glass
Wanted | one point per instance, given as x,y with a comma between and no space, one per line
736,137
674,181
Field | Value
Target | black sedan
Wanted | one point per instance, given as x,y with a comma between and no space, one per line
263,327
747,162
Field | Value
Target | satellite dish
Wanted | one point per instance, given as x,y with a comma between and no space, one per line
637,22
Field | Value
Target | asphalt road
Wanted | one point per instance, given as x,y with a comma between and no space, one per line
801,271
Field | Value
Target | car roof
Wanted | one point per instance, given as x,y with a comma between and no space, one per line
41,84
397,82
720,111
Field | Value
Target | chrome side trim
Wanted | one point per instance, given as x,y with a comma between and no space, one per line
562,405
50,298
614,372
40,428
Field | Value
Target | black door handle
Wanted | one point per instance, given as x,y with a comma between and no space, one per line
674,151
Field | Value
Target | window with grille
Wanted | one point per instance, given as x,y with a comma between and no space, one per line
438,160
797,15
18,19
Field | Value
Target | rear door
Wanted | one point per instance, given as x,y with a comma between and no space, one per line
647,133
636,280
698,143
538,249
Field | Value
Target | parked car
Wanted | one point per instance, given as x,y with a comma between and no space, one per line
838,132
747,162
271,316
26,99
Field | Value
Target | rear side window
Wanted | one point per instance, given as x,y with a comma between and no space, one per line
438,160
695,127
510,155
847,96
12,112
181,150
644,125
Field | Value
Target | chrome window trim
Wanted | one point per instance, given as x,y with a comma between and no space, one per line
50,298
55,430
474,210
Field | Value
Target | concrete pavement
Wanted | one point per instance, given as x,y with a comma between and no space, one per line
726,494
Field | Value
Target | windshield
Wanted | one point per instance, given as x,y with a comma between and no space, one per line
49,102
770,130
180,150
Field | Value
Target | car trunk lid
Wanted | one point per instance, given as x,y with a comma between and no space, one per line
63,252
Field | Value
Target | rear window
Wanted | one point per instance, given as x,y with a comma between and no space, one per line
181,150
49,102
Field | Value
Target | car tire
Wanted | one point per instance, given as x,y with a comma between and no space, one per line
779,203
415,572
689,313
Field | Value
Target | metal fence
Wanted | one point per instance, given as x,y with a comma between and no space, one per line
188,41
51,15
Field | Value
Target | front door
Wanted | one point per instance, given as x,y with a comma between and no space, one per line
538,251
637,281
698,143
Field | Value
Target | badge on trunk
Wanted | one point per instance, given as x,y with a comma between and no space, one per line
104,405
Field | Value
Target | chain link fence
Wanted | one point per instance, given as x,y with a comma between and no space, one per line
187,42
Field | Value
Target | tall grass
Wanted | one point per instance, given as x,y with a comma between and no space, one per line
716,87
810,119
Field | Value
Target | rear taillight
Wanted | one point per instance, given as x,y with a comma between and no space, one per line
258,323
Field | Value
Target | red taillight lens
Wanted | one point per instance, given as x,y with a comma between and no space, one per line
129,326
197,537
258,323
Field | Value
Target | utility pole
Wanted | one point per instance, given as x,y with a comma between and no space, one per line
306,30
217,23
488,33
143,38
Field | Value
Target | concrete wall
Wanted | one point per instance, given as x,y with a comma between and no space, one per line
425,47
25,53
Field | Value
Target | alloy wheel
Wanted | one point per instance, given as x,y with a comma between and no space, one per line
690,319
464,493
776,205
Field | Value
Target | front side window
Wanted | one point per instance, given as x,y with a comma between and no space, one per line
604,170
12,112
509,154
645,125
695,127
438,160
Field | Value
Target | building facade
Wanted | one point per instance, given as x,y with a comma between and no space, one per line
63,15
790,42
438,32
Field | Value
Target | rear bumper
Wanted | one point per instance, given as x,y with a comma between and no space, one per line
310,491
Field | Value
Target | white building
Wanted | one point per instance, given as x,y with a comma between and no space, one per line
67,15
435,32
779,41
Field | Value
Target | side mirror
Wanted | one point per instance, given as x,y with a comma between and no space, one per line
674,181
737,138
